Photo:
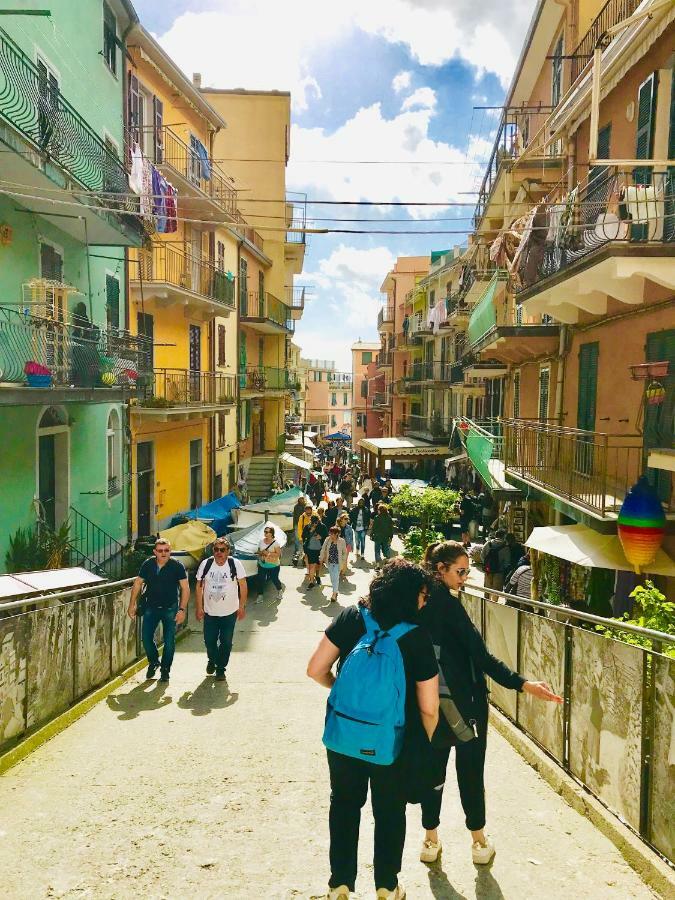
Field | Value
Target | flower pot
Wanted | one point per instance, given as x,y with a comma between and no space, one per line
639,372
658,369
39,381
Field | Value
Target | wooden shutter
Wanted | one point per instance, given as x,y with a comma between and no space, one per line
112,301
516,395
158,129
544,386
134,109
644,138
588,386
669,225
221,345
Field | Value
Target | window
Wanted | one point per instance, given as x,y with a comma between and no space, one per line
48,89
364,388
244,420
114,454
557,72
261,285
221,256
112,302
544,383
109,38
51,263
366,357
243,287
345,399
333,399
333,421
221,345
516,395
195,473
220,421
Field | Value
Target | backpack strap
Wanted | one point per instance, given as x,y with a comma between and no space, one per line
399,630
233,568
209,562
372,627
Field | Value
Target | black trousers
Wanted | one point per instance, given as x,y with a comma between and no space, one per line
470,768
349,779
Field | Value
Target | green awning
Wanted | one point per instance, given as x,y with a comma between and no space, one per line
436,255
479,449
484,316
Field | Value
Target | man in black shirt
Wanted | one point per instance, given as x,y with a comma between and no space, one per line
167,594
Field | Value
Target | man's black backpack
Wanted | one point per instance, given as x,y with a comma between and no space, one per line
210,561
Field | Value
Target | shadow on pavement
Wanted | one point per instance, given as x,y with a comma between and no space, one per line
487,887
145,697
207,696
263,610
441,887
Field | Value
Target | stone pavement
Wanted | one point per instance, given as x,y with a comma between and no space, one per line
220,790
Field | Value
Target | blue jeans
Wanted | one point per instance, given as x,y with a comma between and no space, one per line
360,542
334,572
153,616
266,574
218,635
382,550
297,543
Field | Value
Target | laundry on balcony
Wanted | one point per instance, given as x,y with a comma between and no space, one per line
164,203
438,315
204,161
157,203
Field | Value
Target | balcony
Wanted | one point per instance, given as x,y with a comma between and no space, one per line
265,313
588,471
168,394
56,148
47,360
295,300
613,12
602,257
204,191
432,428
168,275
295,239
384,359
381,400
407,387
385,319
258,381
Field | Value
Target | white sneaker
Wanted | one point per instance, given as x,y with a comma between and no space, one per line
339,893
385,894
482,853
280,594
430,851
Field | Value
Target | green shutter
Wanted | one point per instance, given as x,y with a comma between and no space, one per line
644,139
112,301
588,386
669,225
659,428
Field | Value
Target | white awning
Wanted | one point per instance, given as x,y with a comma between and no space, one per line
586,547
294,461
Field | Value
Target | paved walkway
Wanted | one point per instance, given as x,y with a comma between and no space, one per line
208,790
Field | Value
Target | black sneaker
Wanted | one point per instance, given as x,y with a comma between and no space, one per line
210,668
220,675
164,677
151,672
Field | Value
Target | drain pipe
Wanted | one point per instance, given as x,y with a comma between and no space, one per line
559,385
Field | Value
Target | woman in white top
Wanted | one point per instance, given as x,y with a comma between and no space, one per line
334,556
269,562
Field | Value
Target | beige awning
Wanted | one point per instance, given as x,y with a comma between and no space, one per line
586,547
294,461
395,447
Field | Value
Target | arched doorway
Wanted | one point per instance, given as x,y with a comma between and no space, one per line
53,465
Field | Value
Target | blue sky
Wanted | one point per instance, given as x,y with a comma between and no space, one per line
376,80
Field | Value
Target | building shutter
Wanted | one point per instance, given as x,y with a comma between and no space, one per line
516,395
112,301
669,224
659,421
221,345
588,386
544,385
158,129
644,139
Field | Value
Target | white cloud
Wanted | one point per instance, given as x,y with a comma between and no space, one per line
257,44
422,98
401,81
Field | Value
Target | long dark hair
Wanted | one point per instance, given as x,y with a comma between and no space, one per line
394,592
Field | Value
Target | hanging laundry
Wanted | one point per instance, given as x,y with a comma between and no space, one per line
555,212
171,208
204,161
438,315
158,207
146,203
136,173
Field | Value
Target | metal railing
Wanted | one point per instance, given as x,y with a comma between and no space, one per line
433,427
385,316
163,147
167,263
296,222
613,12
384,358
295,297
617,701
169,388
327,364
633,207
255,306
263,378
93,543
591,469
42,351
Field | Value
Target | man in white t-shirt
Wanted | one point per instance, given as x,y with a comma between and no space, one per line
220,600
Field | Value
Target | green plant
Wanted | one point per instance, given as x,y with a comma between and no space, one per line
651,610
24,553
55,546
431,506
416,541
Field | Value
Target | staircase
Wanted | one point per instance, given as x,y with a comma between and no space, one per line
93,548
260,477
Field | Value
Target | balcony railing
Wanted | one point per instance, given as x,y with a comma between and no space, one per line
296,222
613,12
433,427
263,378
41,351
167,263
168,388
589,469
36,107
164,148
644,216
258,306
384,358
385,317
295,297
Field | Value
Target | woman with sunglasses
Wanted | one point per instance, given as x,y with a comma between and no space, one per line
464,662
269,562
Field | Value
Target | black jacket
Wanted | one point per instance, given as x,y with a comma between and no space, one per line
464,658
307,532
354,514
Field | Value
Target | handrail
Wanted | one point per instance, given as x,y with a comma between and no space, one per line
613,12
85,591
168,263
266,306
91,541
167,388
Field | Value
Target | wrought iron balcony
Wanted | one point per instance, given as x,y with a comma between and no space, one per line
262,379
384,359
385,318
180,389
588,469
296,222
434,427
295,300
265,312
37,351
35,107
613,12
167,265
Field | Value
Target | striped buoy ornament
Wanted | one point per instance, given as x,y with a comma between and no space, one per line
641,525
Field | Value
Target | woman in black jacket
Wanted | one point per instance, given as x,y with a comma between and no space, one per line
464,662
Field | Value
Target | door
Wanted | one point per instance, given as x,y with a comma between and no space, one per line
586,405
659,430
195,473
195,351
48,90
145,480
47,477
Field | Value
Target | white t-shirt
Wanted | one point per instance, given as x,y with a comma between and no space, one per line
221,591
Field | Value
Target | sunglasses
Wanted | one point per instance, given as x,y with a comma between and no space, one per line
219,549
462,572
162,552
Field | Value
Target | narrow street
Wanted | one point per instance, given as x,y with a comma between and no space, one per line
211,790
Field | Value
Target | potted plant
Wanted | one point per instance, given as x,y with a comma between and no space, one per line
37,375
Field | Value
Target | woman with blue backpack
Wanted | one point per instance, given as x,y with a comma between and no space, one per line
384,694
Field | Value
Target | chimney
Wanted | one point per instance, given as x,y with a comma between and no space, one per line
197,80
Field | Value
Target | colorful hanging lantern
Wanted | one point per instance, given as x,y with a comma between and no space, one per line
655,393
641,525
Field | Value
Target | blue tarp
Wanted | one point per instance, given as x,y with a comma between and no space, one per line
218,510
337,436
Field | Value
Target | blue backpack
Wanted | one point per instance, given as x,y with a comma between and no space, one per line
365,715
